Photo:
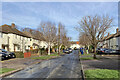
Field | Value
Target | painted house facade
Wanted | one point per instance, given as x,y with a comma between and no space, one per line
119,39
75,44
111,41
12,39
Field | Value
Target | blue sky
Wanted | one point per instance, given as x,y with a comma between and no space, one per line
30,14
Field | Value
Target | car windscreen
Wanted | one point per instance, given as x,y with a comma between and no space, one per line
3,50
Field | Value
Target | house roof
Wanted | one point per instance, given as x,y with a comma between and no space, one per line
8,29
30,35
117,34
110,36
34,36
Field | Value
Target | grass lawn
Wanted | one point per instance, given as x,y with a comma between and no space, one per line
101,73
4,70
86,54
46,56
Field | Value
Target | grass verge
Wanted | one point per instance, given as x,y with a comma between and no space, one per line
85,54
5,70
101,73
46,56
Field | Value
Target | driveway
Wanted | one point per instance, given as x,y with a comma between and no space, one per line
105,62
67,66
17,63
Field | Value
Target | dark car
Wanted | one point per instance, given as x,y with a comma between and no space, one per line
106,51
75,48
112,51
66,51
101,50
11,54
3,56
70,50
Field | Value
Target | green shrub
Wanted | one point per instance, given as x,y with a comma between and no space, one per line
19,54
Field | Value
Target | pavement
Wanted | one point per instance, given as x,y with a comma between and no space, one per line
104,62
17,63
67,66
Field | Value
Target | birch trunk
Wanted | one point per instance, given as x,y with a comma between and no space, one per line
49,48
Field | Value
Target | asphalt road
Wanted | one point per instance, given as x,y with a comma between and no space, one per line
67,66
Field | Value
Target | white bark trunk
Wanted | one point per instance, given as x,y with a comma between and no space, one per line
60,47
49,48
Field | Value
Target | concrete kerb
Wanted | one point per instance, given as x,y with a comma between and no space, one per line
82,70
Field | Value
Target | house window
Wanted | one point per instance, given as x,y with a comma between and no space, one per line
116,45
18,47
30,39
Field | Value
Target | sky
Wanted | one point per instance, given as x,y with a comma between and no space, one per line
30,14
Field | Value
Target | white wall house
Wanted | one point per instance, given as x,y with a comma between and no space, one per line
35,42
119,39
75,45
111,41
4,40
12,39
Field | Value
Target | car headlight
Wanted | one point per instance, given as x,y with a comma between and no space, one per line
6,56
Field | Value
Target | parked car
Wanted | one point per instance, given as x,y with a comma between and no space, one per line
3,56
10,54
100,50
70,50
66,51
106,51
112,51
75,48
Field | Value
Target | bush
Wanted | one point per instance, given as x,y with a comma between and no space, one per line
34,51
19,54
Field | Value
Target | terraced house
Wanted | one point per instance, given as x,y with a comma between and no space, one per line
119,39
111,41
14,40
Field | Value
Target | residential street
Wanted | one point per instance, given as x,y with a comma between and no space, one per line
67,66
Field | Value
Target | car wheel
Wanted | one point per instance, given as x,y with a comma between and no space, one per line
13,56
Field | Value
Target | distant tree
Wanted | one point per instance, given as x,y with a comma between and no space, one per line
62,36
49,32
95,27
84,39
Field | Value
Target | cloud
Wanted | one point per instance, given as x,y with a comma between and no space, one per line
29,14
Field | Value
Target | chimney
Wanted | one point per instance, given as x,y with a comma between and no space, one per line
108,34
13,25
117,30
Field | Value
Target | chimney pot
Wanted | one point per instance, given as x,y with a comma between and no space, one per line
13,25
117,30
108,34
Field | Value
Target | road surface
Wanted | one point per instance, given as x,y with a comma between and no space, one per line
67,66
